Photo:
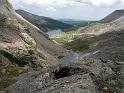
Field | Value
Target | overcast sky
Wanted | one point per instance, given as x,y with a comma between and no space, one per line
70,9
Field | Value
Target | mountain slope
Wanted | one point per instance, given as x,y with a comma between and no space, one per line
113,16
18,35
23,46
44,23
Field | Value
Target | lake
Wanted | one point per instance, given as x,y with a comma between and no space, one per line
69,58
52,33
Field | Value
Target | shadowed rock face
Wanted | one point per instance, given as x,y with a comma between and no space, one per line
113,16
44,23
66,72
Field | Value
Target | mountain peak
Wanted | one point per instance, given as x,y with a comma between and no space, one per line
120,10
113,16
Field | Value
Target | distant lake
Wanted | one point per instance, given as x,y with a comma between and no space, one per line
69,58
52,33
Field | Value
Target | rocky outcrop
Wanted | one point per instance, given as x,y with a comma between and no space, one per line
73,78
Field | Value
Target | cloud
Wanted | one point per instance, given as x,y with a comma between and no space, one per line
67,2
104,2
48,4
71,9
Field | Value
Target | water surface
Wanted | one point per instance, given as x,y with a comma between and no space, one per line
52,33
69,58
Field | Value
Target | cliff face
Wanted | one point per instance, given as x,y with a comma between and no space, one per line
18,36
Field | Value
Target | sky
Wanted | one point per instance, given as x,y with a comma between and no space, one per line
70,9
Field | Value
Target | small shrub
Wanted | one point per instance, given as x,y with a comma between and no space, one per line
18,60
12,71
21,61
31,52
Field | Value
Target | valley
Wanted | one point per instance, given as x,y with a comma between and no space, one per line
43,55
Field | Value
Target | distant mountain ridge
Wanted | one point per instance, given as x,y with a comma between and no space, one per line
44,23
113,16
76,22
